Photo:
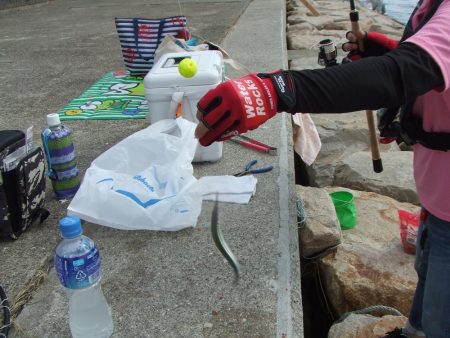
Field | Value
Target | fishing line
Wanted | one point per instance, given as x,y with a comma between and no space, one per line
181,14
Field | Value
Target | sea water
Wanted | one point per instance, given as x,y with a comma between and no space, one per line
400,10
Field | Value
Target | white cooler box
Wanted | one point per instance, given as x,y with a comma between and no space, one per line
165,88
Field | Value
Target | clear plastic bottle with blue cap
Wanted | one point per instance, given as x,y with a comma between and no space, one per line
77,263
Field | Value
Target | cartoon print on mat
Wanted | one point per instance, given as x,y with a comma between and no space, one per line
126,89
106,104
73,112
115,96
133,111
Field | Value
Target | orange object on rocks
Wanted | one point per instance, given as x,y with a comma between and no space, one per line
409,225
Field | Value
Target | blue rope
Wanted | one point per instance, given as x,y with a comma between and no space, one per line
301,214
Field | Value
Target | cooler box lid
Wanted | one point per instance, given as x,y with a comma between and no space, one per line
164,74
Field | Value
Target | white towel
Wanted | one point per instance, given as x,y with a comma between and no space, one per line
307,142
227,188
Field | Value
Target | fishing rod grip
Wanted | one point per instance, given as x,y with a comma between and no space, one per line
356,29
376,158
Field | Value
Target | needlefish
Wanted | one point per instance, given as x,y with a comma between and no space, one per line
221,244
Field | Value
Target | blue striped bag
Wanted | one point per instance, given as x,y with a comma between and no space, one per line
139,39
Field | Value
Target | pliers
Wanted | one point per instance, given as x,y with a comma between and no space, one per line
248,169
253,144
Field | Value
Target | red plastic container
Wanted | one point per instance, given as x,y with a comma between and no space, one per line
409,225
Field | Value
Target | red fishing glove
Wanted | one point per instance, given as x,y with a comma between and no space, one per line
375,44
239,105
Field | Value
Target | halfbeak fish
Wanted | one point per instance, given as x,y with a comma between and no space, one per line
221,244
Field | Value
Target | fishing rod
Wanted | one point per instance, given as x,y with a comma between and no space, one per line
356,29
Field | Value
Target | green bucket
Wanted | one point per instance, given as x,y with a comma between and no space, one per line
345,208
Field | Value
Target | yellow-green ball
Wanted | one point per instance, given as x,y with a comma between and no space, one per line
187,67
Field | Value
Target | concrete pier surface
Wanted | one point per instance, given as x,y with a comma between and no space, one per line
158,284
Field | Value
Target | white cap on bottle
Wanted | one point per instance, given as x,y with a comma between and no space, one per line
53,120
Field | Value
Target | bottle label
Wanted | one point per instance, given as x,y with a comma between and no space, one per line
79,272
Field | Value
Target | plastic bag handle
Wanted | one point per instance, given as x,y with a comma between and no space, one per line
177,98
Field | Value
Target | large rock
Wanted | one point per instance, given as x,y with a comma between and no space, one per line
301,36
320,229
392,32
305,30
365,326
314,21
291,5
396,180
345,159
370,267
308,60
342,135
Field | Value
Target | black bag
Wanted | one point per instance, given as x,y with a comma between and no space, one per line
22,186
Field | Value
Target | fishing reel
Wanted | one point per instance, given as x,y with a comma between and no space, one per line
327,53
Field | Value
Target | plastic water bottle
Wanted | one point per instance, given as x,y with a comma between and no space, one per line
77,263
62,163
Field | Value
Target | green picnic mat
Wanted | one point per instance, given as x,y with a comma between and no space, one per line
116,96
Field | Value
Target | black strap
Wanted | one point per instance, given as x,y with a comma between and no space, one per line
412,127
413,132
285,88
408,28
44,215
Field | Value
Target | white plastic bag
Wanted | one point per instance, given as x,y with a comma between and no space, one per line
170,44
144,181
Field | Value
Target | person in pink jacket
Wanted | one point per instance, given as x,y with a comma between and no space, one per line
411,77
